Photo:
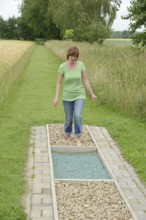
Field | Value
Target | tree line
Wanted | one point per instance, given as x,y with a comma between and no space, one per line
80,20
87,20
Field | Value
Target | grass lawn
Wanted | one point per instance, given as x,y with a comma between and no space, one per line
30,104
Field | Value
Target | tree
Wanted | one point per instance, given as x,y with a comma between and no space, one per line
137,16
25,31
91,20
68,34
9,28
35,14
2,27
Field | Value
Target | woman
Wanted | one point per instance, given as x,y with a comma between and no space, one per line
75,81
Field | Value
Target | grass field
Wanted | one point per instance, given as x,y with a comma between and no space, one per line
13,56
116,72
30,104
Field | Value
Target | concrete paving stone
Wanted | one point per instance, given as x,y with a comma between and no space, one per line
41,176
134,201
138,207
141,215
46,191
36,163
140,185
37,159
121,167
40,144
46,172
48,213
37,172
47,200
41,167
123,183
134,189
127,178
43,218
45,159
37,190
40,206
35,213
132,184
45,180
43,185
142,200
44,154
36,199
44,176
45,165
48,186
125,173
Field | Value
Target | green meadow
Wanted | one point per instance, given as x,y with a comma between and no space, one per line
116,74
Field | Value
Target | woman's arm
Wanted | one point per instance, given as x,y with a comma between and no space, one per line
88,86
58,86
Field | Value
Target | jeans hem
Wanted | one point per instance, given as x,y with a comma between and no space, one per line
68,133
78,135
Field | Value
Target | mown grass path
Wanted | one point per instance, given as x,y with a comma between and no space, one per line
30,104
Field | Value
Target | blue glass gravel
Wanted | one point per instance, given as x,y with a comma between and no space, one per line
78,166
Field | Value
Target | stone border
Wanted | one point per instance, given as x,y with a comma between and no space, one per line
52,177
72,149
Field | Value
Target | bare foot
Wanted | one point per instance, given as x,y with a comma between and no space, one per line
79,143
67,137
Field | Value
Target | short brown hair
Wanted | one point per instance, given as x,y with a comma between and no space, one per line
73,51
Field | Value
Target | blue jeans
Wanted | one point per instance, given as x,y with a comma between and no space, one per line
73,110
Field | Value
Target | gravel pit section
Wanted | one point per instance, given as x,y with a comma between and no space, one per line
57,137
99,200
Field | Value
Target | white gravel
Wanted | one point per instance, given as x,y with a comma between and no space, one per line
90,200
57,137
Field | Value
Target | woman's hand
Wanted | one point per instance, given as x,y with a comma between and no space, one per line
94,97
55,102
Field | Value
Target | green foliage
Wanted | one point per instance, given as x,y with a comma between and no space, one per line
2,27
9,28
120,34
91,20
69,34
36,15
25,31
15,28
137,16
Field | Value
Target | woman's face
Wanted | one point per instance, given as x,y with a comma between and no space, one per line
72,58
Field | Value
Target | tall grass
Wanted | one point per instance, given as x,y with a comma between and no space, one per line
13,56
116,72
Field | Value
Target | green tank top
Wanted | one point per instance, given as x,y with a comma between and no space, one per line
73,84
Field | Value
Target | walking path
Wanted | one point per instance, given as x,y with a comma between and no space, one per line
39,197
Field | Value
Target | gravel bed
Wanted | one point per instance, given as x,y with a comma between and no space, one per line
57,137
90,200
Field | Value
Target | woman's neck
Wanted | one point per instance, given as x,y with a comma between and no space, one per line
71,64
